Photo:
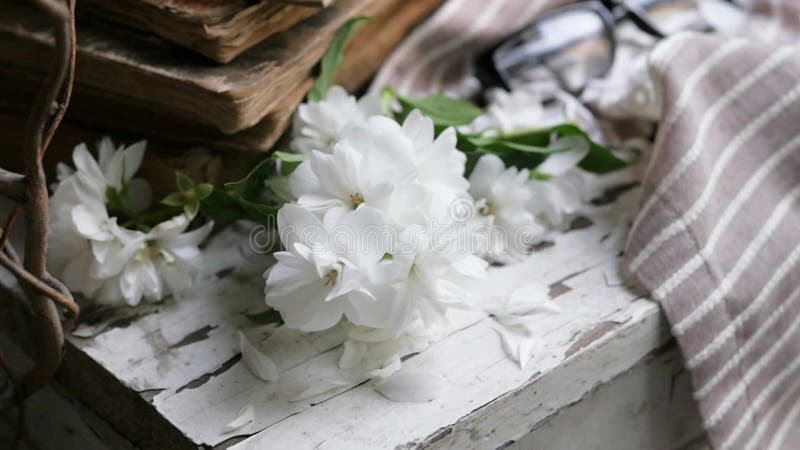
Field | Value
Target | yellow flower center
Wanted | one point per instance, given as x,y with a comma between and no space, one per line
330,278
487,209
356,199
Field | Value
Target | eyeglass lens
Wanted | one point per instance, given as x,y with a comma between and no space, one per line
572,46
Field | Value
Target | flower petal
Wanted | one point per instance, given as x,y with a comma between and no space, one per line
518,346
412,386
389,368
297,225
486,170
133,158
558,163
259,364
243,417
86,164
352,354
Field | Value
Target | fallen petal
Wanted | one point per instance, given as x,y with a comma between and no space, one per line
529,299
411,386
392,365
245,416
259,364
518,346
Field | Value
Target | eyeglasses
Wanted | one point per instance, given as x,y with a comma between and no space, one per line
577,43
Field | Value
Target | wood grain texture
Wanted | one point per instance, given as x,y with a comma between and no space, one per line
181,358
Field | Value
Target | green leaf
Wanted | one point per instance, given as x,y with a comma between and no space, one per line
289,161
443,110
174,199
332,59
540,176
203,190
251,186
600,159
528,149
259,212
266,317
280,187
191,208
183,182
241,199
113,199
226,206
222,206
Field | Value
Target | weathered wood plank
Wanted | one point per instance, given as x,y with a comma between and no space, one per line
181,358
648,407
478,372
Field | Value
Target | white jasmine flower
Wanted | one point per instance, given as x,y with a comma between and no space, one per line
501,197
400,170
94,255
318,279
367,166
531,107
379,174
86,246
558,199
165,263
434,275
114,168
440,165
317,126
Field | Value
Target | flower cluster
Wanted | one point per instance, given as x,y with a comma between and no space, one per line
96,255
385,230
371,236
558,190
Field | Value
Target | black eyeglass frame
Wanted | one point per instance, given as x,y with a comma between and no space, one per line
493,67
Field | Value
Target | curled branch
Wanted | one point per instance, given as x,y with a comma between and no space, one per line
30,190
47,286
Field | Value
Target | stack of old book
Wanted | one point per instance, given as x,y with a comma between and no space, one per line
222,74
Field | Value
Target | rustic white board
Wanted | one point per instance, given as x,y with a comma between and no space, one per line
183,355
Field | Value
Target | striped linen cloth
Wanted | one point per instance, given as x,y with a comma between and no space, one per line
438,56
717,237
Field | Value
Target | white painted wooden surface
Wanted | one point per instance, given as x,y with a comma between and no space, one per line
186,352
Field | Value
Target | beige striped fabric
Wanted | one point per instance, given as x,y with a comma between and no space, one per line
717,238
438,56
